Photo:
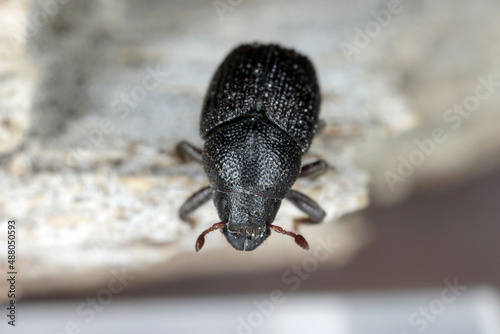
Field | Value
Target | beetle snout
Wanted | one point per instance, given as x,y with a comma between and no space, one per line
246,238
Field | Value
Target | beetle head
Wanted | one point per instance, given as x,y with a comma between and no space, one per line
246,220
247,217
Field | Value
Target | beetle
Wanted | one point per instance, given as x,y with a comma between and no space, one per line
258,119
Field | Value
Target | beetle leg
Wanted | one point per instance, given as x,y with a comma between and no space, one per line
314,168
194,202
187,151
307,205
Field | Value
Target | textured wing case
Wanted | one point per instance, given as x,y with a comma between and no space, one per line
268,79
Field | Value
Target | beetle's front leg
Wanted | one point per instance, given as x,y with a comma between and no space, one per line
194,202
311,208
315,168
187,151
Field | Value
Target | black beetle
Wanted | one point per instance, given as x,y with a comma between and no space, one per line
259,117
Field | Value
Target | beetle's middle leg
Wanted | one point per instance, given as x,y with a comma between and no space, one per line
314,212
194,202
187,151
315,168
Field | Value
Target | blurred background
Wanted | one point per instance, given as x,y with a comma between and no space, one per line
94,95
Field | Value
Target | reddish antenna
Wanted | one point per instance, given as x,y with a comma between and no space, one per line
299,240
201,239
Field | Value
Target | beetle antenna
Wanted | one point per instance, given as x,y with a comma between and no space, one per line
201,239
299,240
